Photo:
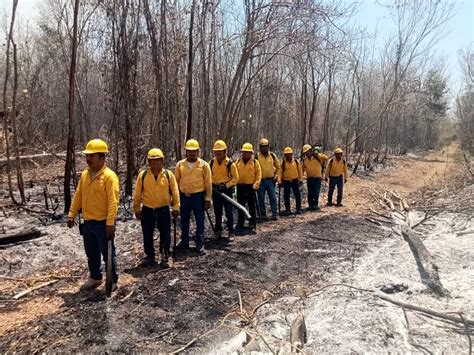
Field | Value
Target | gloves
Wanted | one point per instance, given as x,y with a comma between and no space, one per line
175,213
222,187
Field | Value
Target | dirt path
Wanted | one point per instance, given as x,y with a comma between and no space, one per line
163,310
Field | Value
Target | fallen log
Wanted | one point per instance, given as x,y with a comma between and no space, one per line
426,266
20,235
25,292
3,161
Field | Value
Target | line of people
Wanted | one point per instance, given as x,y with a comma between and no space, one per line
190,190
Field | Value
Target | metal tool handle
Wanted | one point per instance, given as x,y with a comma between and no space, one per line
108,277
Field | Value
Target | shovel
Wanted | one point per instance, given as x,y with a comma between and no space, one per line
174,241
108,277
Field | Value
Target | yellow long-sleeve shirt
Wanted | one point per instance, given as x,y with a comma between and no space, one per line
250,172
221,174
312,167
291,170
155,193
269,164
337,168
199,179
98,197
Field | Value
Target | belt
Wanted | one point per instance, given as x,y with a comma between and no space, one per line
314,177
145,208
94,221
193,194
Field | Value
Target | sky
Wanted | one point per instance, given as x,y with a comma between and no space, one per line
460,29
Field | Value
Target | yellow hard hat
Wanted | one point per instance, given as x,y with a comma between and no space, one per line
288,150
338,150
155,153
96,146
264,141
192,144
306,148
219,145
247,147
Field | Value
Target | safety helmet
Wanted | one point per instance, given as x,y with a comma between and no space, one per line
338,150
264,141
155,153
306,148
288,150
219,145
96,146
192,144
247,147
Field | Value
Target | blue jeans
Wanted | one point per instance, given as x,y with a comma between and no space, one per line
267,185
333,182
246,195
314,188
219,205
156,218
95,243
289,186
193,203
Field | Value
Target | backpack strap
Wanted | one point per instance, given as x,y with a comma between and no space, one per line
274,159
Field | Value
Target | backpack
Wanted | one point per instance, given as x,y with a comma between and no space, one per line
283,165
330,164
167,175
323,166
228,165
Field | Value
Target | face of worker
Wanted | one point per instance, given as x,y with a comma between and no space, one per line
289,156
264,149
309,153
95,161
246,155
338,156
156,164
192,155
220,155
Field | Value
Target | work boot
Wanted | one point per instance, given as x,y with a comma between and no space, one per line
252,229
286,213
274,217
181,246
298,212
339,205
317,208
147,261
201,250
218,234
329,204
230,237
164,262
114,287
239,230
90,284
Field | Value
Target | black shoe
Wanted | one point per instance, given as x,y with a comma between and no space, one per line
147,261
164,263
339,205
182,246
286,213
201,250
230,237
299,212
218,234
274,217
329,204
317,208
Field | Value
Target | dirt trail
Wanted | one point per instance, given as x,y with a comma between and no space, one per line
163,310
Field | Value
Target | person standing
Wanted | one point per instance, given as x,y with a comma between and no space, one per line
313,167
193,175
250,176
270,166
97,197
291,177
224,178
155,189
337,175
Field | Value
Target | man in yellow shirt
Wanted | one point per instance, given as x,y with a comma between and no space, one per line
313,164
270,169
155,189
291,176
97,195
224,178
250,176
337,174
195,186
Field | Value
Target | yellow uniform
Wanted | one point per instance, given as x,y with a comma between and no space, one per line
269,164
337,168
250,172
223,173
156,193
312,167
98,197
291,170
195,179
